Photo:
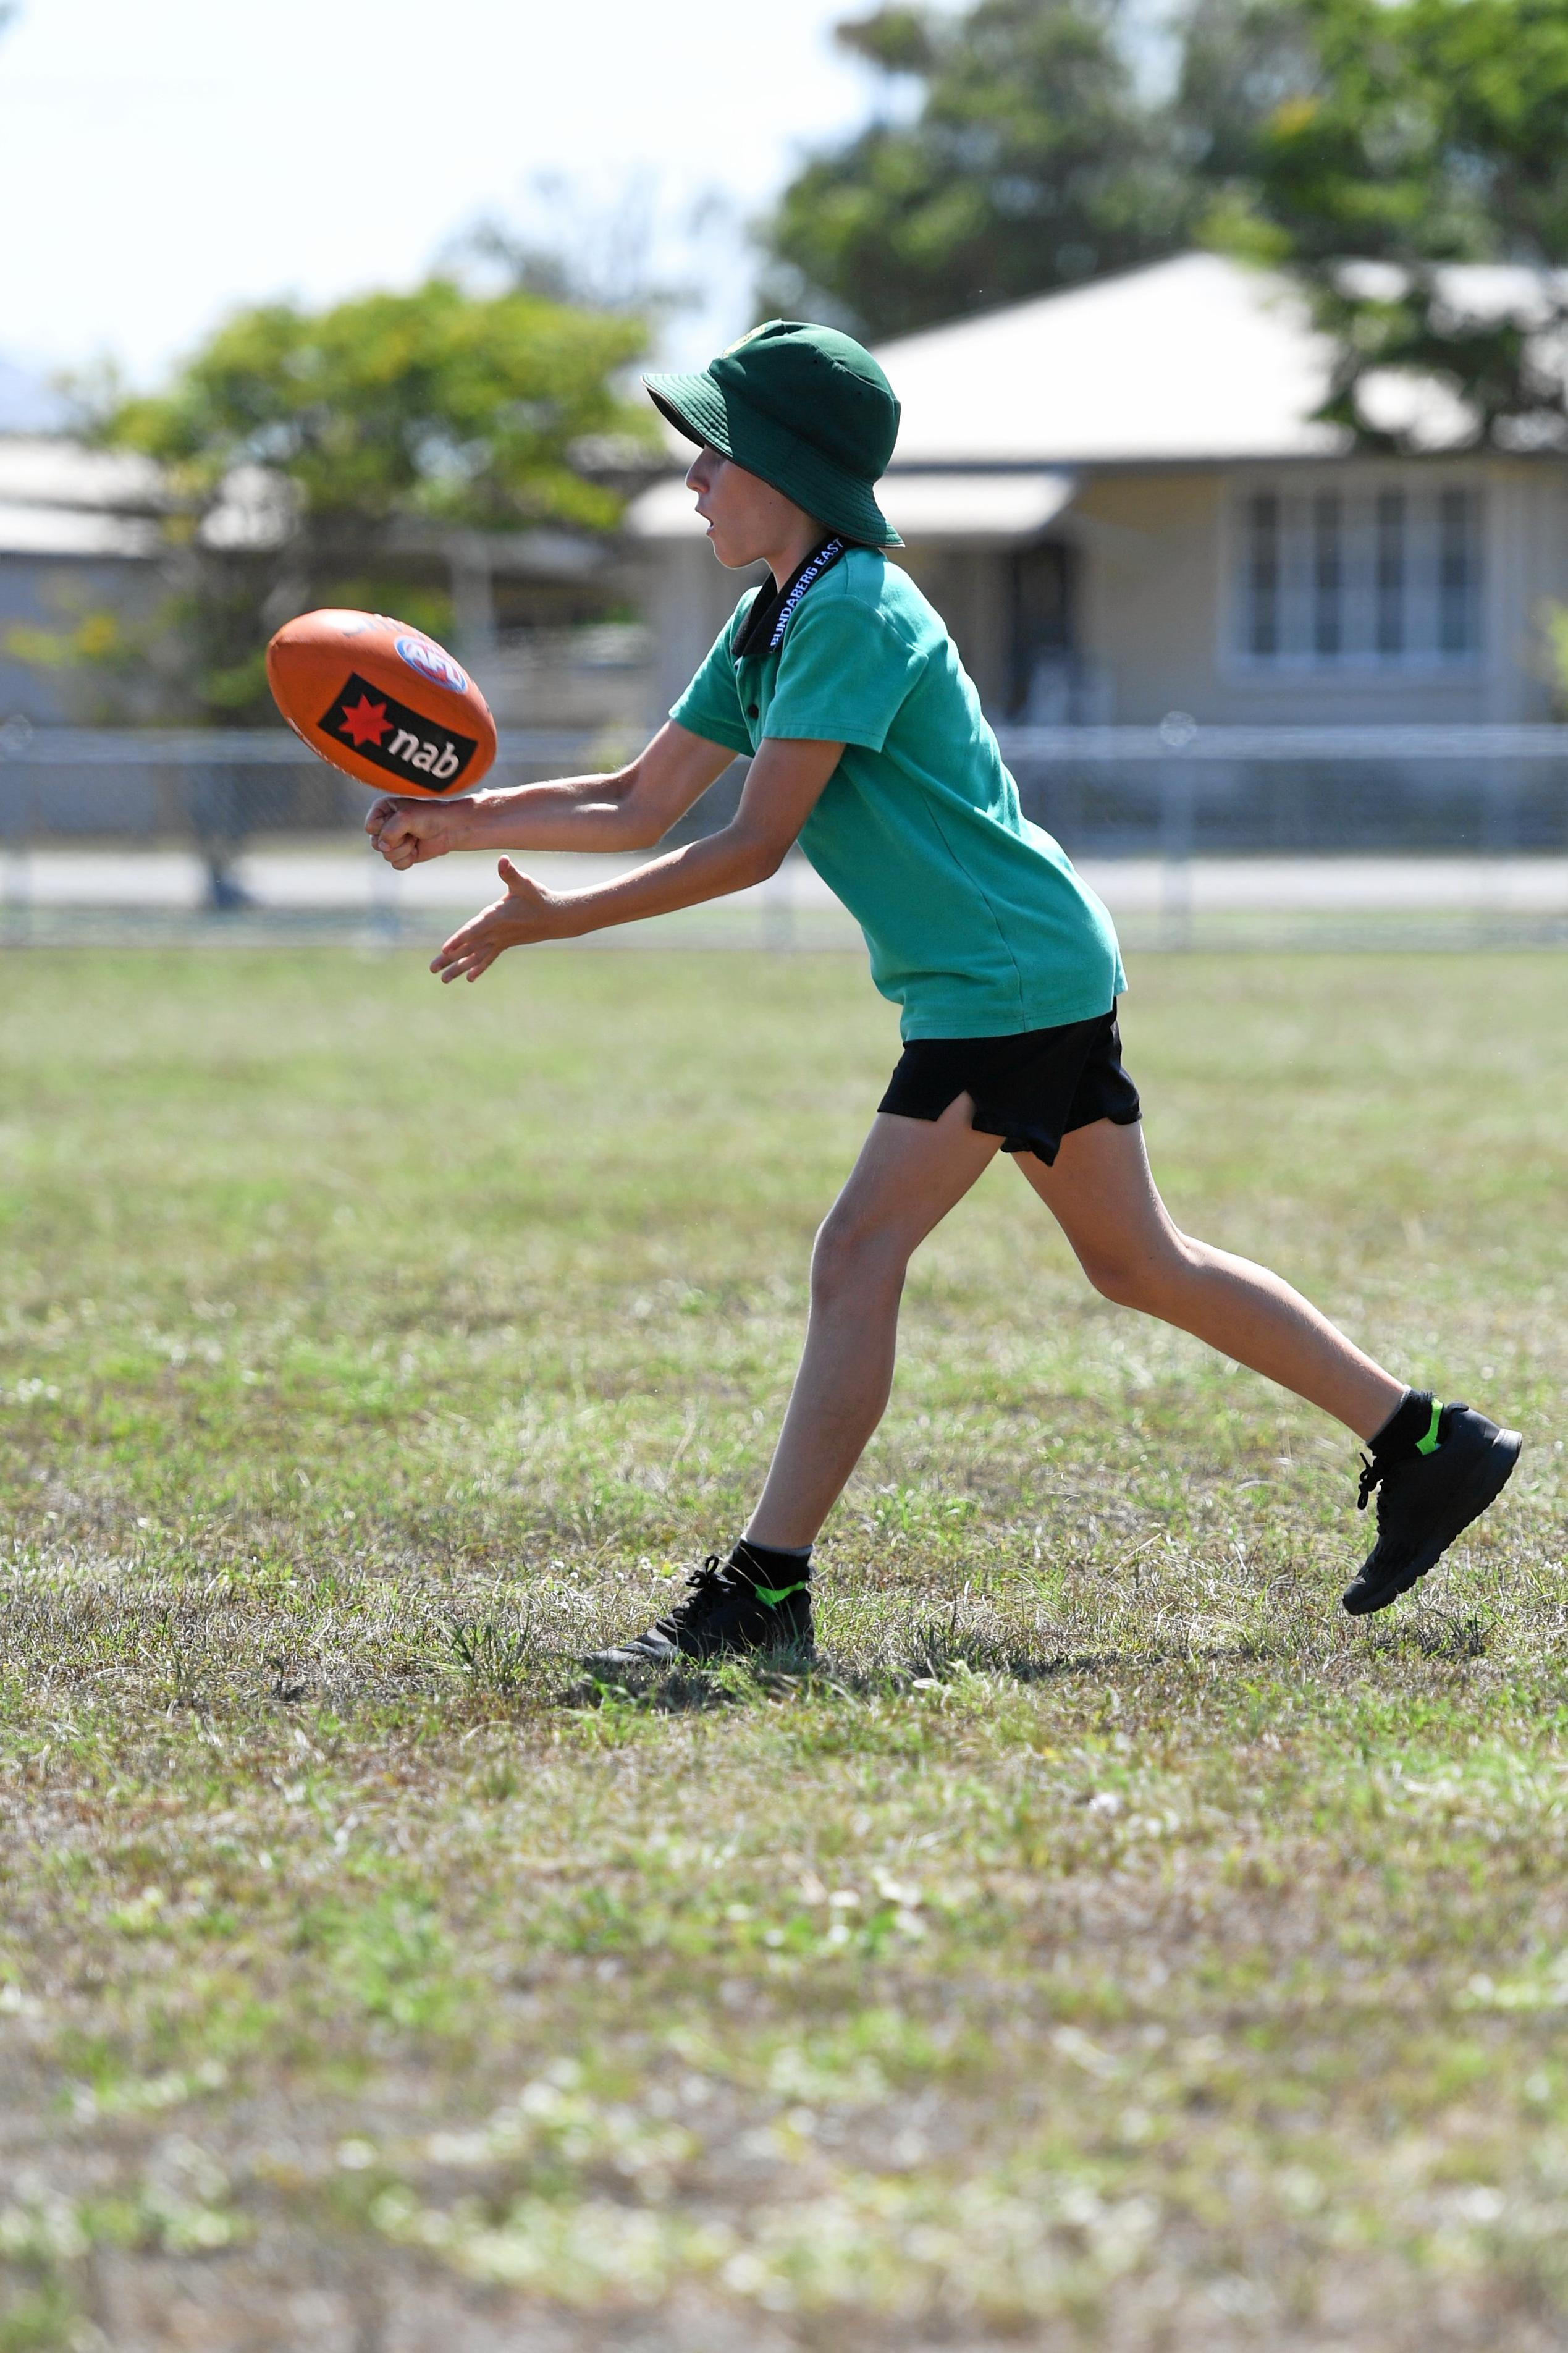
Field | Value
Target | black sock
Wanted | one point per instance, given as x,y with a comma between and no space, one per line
1413,1420
776,1566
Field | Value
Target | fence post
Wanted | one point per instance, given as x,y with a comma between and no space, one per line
385,906
16,829
1499,808
1178,796
778,907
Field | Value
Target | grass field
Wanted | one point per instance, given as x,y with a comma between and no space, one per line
1111,1946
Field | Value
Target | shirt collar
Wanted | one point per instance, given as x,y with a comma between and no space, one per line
771,610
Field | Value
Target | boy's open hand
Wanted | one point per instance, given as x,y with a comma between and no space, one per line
527,913
407,832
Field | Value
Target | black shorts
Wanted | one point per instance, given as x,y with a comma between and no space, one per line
1031,1089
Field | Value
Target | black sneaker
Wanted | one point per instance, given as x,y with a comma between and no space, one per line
1426,1499
724,1612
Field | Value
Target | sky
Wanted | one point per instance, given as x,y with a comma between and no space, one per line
163,162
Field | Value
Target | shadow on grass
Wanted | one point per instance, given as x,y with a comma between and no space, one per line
942,1654
1435,1634
700,1685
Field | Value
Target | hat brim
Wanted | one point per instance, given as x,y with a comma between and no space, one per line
705,413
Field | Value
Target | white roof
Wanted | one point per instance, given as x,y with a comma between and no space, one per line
66,530
1199,358
998,510
57,498
976,509
1194,358
46,471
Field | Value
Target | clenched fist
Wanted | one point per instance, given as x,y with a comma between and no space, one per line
408,832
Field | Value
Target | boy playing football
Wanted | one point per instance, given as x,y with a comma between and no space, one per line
868,747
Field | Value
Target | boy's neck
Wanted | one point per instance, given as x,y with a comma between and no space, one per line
784,561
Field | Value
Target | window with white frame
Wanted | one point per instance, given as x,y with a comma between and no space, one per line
1363,575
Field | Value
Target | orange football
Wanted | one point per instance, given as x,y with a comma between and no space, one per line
380,701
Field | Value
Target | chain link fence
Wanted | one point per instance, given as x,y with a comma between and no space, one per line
1195,836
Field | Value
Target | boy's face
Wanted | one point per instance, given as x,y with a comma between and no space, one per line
748,520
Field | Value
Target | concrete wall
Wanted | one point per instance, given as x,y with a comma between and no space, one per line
1155,628
969,588
687,596
1155,617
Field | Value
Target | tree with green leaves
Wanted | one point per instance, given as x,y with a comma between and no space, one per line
326,457
1032,161
1413,135
1401,135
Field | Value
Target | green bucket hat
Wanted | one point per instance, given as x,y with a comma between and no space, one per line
806,408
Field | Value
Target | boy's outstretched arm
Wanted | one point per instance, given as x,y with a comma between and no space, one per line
631,809
785,783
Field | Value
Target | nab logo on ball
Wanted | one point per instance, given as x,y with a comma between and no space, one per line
391,736
432,663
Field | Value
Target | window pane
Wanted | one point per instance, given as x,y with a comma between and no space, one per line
1390,598
1457,573
1373,572
1263,573
1328,573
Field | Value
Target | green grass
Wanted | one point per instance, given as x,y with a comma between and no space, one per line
1112,1945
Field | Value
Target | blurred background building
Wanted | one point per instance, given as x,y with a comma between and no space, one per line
1122,498
78,533
1251,549
1124,503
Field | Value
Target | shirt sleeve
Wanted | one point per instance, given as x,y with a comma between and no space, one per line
711,706
843,675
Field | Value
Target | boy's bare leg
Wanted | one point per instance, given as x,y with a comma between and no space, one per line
909,1173
1102,1195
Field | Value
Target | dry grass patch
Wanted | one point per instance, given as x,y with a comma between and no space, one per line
1106,1943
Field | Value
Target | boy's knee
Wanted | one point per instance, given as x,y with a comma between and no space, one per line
1118,1280
848,1255
1147,1279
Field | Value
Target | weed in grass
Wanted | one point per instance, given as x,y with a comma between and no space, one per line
493,1660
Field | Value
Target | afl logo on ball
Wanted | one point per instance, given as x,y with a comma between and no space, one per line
432,663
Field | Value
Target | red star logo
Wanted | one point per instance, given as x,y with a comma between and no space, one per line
367,722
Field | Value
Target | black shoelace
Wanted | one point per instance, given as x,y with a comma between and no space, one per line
704,1584
1372,1472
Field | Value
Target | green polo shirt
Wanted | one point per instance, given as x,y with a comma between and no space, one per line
976,923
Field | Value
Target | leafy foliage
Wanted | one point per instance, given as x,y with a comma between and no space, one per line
317,457
1417,134
1410,134
1554,638
1033,161
435,405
